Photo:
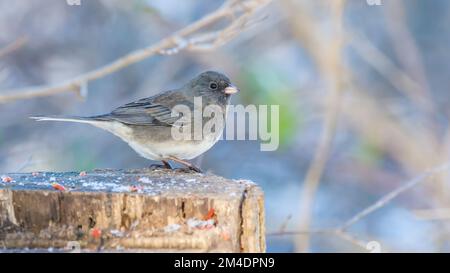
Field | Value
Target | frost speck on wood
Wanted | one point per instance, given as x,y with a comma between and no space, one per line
131,210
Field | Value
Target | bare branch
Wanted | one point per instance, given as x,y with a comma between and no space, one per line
188,38
13,46
388,69
285,223
341,231
301,232
393,194
351,239
333,232
330,68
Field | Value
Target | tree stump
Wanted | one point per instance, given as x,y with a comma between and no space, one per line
130,210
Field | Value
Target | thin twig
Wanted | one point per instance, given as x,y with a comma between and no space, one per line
334,231
300,232
185,39
351,239
341,231
393,194
285,223
13,46
331,70
25,164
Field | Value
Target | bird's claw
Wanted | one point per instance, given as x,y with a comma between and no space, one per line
195,169
189,169
159,166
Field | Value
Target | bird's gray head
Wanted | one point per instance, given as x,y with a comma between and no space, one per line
212,85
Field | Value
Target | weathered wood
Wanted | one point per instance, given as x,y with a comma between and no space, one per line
133,210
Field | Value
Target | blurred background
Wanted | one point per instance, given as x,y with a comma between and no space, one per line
363,91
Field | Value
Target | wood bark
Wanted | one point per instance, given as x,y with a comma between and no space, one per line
130,210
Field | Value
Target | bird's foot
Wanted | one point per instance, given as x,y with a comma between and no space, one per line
165,165
190,166
189,170
195,169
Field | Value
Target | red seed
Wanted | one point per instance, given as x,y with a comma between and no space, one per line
210,214
58,187
96,233
7,179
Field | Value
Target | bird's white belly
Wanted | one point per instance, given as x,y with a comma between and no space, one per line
160,151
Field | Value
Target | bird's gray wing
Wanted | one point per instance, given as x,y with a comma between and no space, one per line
156,110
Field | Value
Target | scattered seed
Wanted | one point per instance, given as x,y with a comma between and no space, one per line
210,214
96,233
58,187
7,179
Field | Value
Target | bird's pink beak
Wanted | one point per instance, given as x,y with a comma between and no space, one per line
231,90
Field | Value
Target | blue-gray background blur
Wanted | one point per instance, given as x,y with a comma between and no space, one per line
393,95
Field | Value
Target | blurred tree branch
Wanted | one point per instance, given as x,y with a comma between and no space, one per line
341,230
13,46
393,194
413,147
189,38
327,51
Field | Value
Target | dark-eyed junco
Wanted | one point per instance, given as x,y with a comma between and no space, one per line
146,124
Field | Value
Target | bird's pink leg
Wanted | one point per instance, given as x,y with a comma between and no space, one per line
185,163
165,165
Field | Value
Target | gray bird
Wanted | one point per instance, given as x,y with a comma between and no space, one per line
146,124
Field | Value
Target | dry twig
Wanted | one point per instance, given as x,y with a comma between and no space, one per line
330,65
13,46
189,38
393,194
341,231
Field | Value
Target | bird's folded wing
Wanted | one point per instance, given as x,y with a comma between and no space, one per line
144,112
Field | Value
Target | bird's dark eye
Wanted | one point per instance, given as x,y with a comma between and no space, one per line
213,85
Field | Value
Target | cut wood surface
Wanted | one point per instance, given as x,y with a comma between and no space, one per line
130,210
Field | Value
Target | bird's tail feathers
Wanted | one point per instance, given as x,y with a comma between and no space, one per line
67,118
